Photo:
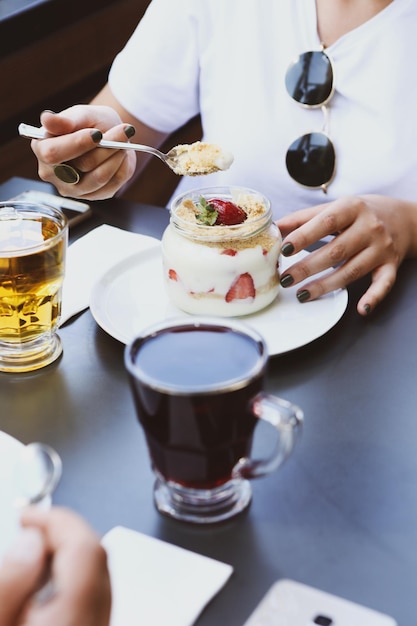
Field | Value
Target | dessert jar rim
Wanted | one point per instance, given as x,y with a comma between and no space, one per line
220,233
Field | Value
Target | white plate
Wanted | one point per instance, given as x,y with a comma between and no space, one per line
131,295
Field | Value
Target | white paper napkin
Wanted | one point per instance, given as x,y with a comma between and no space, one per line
90,257
155,583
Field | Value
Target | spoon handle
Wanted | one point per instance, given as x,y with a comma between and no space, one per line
33,132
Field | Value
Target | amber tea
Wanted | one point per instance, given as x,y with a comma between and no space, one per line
33,242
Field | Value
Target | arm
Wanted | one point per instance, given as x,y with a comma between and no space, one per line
60,542
373,235
74,134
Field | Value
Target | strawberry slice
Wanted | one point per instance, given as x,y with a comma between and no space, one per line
172,274
243,287
220,212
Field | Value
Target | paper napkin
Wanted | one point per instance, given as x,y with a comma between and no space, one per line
155,583
90,257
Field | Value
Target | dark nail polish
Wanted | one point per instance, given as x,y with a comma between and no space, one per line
286,280
96,135
287,249
130,131
367,308
303,295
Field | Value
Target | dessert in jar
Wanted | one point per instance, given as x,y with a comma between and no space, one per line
221,252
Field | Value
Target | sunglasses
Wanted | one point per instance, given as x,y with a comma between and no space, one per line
311,159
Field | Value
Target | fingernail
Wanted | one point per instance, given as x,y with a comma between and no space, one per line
367,308
286,280
303,295
48,111
96,135
27,548
287,249
130,131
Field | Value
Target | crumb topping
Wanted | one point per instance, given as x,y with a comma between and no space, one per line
238,236
199,158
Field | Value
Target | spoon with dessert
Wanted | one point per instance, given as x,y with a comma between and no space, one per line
195,159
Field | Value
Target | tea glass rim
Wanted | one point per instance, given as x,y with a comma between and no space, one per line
41,209
209,321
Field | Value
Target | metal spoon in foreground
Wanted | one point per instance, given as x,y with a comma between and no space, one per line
193,159
38,472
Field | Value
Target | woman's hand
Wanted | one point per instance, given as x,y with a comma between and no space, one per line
60,545
372,234
74,134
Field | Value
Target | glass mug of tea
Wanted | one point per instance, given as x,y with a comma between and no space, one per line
33,242
197,387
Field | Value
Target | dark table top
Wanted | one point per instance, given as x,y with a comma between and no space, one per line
340,515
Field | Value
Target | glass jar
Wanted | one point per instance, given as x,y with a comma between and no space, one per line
224,270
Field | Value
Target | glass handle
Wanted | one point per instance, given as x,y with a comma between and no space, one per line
287,419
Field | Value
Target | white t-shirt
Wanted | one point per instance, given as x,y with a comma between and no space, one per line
227,60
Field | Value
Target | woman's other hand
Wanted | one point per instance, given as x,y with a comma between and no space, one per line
372,234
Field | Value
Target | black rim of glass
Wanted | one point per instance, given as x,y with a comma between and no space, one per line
311,158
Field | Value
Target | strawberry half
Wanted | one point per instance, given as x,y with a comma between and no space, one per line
243,287
220,212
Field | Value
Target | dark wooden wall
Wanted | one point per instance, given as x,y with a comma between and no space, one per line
56,53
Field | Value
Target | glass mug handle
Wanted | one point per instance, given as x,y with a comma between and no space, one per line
287,418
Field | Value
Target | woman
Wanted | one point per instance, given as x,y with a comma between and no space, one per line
229,62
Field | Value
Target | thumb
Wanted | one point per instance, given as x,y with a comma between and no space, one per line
20,574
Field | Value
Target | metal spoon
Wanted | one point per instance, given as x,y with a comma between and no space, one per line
38,472
179,159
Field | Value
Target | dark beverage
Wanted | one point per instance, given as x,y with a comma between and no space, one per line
193,387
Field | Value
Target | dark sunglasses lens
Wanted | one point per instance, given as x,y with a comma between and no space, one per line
311,160
310,79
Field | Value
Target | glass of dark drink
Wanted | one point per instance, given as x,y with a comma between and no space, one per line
197,386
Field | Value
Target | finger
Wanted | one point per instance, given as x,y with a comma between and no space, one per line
325,220
20,573
356,267
57,124
292,221
110,169
383,279
54,150
56,523
67,535
106,179
92,159
81,590
344,246
79,117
